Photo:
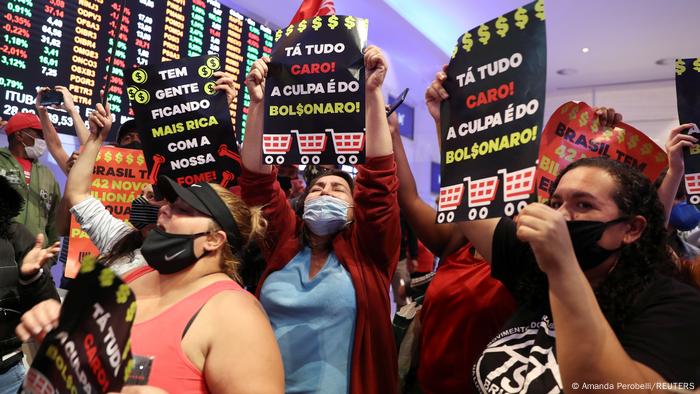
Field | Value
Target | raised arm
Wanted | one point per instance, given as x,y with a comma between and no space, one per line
80,130
419,214
378,137
251,153
676,168
53,142
80,176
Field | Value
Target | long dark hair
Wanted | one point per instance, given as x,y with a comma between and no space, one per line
638,262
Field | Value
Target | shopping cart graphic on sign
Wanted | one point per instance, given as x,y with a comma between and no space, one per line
347,144
692,185
310,144
450,198
276,144
480,194
517,186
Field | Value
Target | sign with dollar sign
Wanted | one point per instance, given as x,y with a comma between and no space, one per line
314,94
566,139
688,100
90,350
492,121
117,180
184,122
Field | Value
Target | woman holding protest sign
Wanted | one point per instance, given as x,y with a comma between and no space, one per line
184,301
327,278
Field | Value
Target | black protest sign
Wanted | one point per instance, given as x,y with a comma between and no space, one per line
315,93
90,350
185,125
491,123
688,97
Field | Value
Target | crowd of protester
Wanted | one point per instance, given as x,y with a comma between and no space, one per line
285,282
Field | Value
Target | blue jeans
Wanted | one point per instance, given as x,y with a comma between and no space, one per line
12,379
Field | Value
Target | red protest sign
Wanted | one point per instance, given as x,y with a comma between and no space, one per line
574,132
118,177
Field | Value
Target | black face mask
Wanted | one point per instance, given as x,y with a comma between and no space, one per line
170,253
143,213
585,235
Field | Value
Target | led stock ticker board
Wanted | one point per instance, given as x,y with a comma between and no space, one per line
71,42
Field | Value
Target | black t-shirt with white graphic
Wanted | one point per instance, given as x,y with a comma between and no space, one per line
662,332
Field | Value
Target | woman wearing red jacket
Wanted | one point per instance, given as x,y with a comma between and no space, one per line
326,283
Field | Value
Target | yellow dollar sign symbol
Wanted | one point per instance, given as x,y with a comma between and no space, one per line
484,34
129,158
661,156
583,120
302,26
607,134
565,107
131,312
123,293
139,76
620,135
595,125
646,149
502,26
332,22
88,264
573,113
521,18
106,277
349,22
454,51
289,30
680,67
632,142
539,10
118,157
467,42
316,23
108,157
140,160
696,65
278,34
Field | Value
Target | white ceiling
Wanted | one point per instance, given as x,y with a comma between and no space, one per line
625,37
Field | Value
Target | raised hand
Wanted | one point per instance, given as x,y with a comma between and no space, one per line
675,144
436,93
37,257
375,68
224,83
100,121
255,81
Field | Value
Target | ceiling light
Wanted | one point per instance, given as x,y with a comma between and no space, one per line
585,49
666,61
567,71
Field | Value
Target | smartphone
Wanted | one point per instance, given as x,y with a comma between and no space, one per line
51,97
398,102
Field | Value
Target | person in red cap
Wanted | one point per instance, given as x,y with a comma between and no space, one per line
34,181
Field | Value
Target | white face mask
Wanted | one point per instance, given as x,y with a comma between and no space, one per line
35,151
326,215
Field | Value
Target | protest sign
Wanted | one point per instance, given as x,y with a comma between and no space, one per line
688,98
118,177
185,125
574,132
90,350
315,92
490,125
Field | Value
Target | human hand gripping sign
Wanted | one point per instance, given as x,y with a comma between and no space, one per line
255,81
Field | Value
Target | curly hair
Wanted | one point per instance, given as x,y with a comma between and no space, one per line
637,263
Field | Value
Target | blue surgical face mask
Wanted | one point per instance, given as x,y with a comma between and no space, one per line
326,215
684,216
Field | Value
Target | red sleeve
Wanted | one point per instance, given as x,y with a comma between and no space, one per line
264,190
378,226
